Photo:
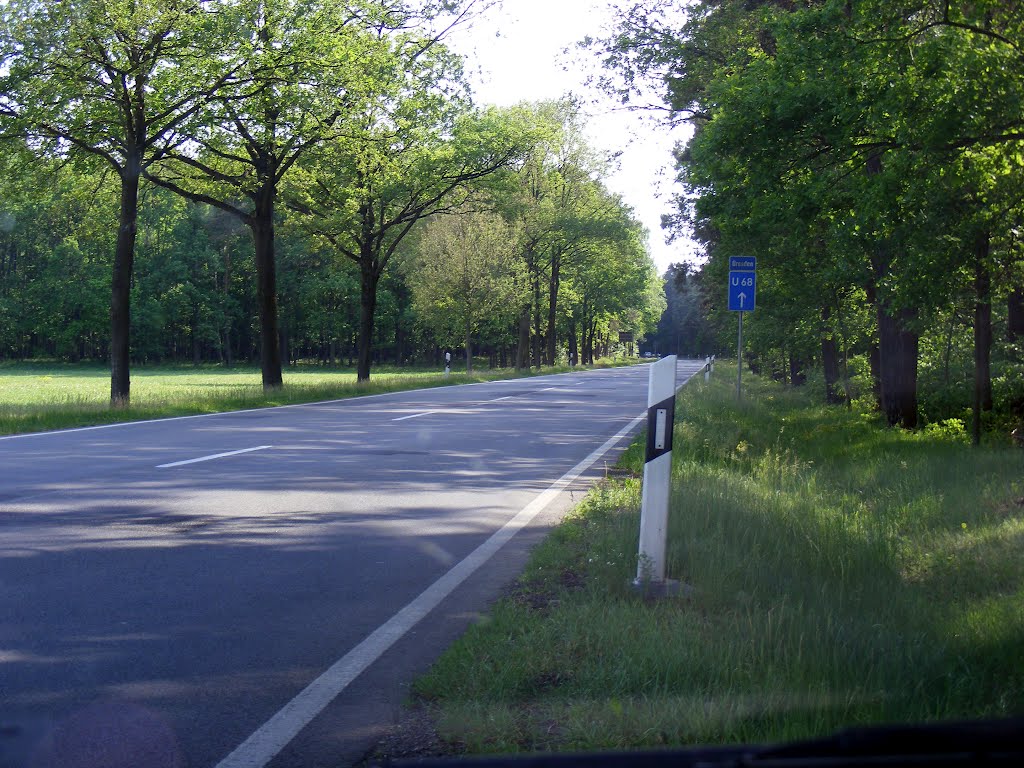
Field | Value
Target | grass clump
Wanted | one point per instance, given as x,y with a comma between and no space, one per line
844,574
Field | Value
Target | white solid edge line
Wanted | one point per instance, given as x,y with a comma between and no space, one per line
212,457
270,738
294,405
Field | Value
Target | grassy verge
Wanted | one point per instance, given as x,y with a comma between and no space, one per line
40,396
844,574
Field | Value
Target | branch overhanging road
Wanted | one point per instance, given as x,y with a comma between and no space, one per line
257,588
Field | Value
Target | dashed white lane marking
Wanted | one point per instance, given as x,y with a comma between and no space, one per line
415,415
263,745
213,456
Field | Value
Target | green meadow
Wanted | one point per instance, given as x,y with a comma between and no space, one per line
41,396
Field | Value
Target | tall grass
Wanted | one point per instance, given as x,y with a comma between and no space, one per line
843,574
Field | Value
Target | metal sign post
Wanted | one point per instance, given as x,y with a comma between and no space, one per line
739,361
742,298
661,399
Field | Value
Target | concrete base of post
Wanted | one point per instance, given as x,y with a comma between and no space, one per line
659,590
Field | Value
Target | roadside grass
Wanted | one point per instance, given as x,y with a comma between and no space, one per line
844,574
45,396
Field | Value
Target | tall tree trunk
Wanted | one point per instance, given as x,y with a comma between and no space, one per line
1015,315
121,286
574,349
367,307
982,334
228,356
553,285
469,344
523,349
797,377
898,365
261,223
590,334
536,318
897,347
830,358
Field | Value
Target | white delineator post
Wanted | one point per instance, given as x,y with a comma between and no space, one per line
707,369
661,399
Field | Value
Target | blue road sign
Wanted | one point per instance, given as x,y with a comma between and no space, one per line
742,291
743,263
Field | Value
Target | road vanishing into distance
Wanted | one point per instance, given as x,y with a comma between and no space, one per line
258,588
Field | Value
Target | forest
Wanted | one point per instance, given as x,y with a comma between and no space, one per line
869,154
224,181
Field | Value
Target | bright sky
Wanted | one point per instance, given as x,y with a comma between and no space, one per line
517,54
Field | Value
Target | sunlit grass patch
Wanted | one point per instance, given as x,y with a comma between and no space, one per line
35,396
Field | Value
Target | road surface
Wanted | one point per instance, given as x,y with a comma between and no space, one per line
258,588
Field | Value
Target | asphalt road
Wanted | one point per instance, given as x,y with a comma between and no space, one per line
258,588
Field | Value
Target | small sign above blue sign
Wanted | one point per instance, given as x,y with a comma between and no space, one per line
743,263
742,291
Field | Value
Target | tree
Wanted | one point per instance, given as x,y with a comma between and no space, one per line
304,69
415,154
465,276
113,81
834,139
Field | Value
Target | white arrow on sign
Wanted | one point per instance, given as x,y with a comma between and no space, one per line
742,297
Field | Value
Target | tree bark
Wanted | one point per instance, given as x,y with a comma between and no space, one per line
574,349
261,224
1015,315
367,307
898,365
897,342
469,344
121,286
536,318
523,349
982,334
797,377
830,359
553,285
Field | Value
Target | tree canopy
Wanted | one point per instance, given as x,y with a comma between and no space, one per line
868,153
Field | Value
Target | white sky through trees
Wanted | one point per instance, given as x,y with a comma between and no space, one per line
518,53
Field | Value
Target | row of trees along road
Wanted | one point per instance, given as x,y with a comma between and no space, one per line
869,153
327,130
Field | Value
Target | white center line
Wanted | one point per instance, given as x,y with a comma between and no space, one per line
214,456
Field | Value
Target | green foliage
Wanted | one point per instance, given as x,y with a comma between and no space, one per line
465,278
868,154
